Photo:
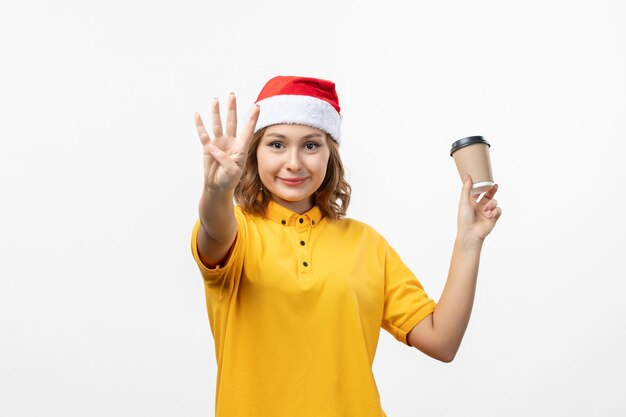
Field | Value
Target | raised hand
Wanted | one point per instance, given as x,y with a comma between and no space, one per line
477,219
225,154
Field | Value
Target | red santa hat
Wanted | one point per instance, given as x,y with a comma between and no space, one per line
300,100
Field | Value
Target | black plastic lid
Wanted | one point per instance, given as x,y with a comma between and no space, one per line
470,140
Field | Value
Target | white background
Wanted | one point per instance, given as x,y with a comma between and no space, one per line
101,305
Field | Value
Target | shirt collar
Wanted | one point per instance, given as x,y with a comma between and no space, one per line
286,217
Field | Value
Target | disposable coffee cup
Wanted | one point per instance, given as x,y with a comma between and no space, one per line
471,156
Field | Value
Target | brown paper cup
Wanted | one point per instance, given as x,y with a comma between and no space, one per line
471,156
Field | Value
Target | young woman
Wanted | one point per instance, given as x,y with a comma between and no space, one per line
296,293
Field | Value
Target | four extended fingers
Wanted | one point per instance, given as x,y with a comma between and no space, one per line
242,142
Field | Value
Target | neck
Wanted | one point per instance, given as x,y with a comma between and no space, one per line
299,207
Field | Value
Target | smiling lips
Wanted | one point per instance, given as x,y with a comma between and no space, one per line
293,181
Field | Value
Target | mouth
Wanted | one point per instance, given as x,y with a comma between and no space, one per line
292,181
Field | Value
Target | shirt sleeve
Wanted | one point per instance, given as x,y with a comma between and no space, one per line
406,302
215,277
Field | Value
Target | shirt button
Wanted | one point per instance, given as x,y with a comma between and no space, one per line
305,264
302,242
312,221
301,220
283,222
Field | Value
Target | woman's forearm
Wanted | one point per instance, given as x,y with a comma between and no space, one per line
217,216
452,314
218,227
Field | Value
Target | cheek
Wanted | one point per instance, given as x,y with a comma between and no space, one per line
321,166
268,167
264,163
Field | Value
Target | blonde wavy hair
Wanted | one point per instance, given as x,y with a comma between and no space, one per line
333,196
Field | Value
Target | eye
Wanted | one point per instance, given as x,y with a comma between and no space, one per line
311,146
276,145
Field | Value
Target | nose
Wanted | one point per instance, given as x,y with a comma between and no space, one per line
293,160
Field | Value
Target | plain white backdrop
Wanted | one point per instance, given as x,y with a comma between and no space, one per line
101,305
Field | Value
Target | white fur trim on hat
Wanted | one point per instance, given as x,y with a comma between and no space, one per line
301,110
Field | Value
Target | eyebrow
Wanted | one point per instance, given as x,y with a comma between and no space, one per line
309,136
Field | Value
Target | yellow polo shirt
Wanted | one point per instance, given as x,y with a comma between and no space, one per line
296,312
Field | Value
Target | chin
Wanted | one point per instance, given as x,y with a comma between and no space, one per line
295,198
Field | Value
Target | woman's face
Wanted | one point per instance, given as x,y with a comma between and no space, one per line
292,161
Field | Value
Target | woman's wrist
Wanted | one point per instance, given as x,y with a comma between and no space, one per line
219,194
469,243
